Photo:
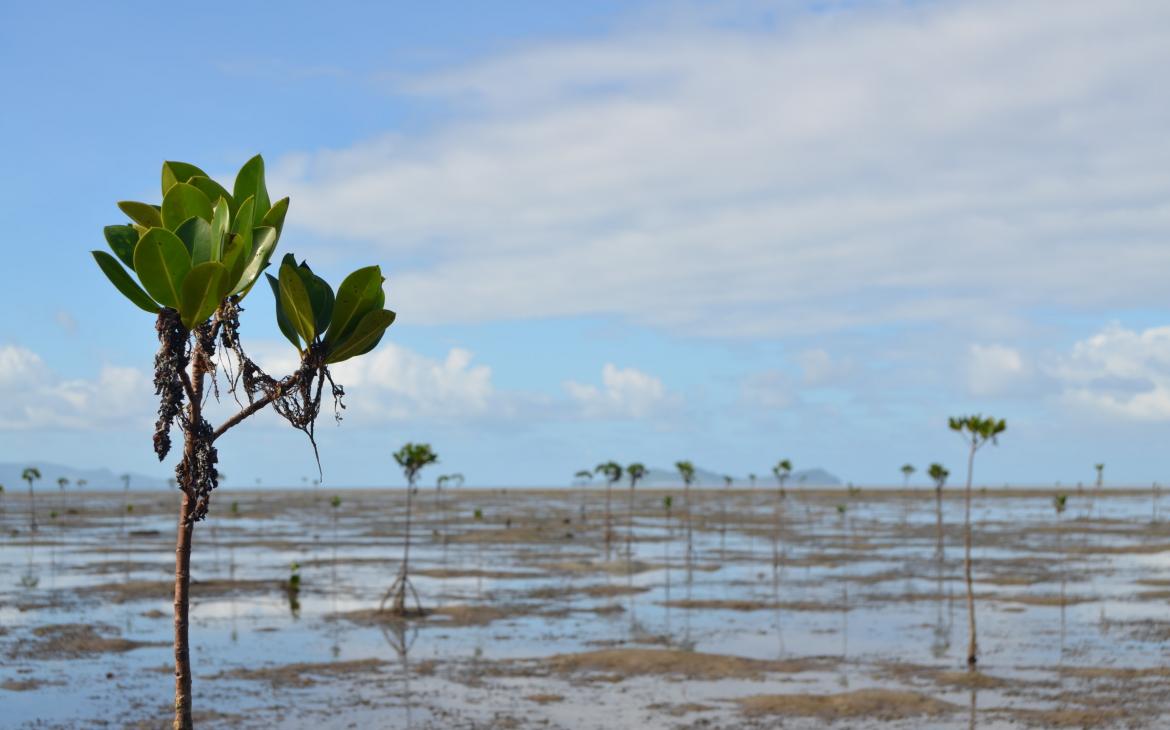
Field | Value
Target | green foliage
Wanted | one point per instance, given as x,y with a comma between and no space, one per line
584,475
1059,502
841,509
335,502
478,514
782,471
635,471
727,480
294,577
938,474
200,222
612,471
30,474
978,430
413,457
908,469
235,507
667,502
686,470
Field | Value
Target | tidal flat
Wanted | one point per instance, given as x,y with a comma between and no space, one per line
739,610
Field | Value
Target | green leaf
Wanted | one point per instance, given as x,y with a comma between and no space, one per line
235,258
214,191
286,327
250,182
295,300
263,243
204,288
275,216
183,201
122,240
195,233
320,293
360,293
177,172
120,279
364,337
144,214
220,221
162,262
242,221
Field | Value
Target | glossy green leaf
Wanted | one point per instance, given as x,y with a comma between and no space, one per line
286,327
125,284
204,288
275,216
364,337
242,224
235,258
162,262
263,243
358,295
195,233
250,182
144,214
183,201
321,297
214,191
177,172
220,222
295,300
122,240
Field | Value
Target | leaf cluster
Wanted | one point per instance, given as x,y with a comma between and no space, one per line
978,429
413,457
686,470
612,471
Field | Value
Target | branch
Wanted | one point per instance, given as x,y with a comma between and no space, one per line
235,420
187,385
256,406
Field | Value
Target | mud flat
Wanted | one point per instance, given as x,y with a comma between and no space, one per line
737,611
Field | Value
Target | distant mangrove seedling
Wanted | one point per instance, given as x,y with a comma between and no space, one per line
635,472
190,261
907,472
412,458
782,471
976,431
30,475
613,474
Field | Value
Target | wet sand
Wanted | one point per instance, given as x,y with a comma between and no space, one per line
742,611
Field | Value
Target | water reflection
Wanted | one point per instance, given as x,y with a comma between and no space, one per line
401,637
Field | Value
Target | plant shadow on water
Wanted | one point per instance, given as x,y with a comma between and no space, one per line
535,619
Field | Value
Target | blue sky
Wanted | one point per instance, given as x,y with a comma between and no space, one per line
641,231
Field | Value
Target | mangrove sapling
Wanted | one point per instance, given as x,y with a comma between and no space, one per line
62,482
613,474
938,474
976,431
190,262
686,470
907,471
782,471
635,472
412,458
30,475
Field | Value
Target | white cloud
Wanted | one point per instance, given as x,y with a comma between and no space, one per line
994,370
942,162
819,368
34,397
1120,372
625,393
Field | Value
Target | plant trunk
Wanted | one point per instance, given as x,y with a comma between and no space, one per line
32,508
182,602
938,520
971,643
608,514
400,598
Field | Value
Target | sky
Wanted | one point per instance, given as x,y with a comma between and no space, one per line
724,232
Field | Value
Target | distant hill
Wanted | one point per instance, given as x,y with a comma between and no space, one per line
705,478
95,478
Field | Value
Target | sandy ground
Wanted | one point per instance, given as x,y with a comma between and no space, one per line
739,610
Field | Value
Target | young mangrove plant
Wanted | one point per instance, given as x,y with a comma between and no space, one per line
1100,474
907,472
62,482
782,471
190,261
412,458
686,470
613,474
635,472
938,474
976,431
30,475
